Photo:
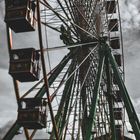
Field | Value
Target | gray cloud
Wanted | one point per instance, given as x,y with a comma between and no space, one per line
132,59
130,13
5,128
3,40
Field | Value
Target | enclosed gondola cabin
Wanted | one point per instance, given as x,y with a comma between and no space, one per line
117,96
25,64
110,6
118,58
32,113
113,25
20,15
115,43
118,115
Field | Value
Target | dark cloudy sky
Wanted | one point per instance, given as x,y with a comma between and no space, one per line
131,33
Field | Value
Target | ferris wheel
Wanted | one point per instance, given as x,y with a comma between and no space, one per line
83,97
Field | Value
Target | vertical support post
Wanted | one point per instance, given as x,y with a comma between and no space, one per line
109,98
95,95
44,70
133,118
10,46
66,91
15,82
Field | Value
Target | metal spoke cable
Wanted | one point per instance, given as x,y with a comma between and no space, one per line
86,21
31,89
55,92
82,29
68,100
70,13
82,14
64,97
61,17
69,46
46,41
57,29
48,55
72,106
65,12
71,7
81,88
53,28
82,62
92,16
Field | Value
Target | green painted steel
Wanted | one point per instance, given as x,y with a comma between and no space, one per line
109,98
55,74
67,102
105,59
64,100
134,121
95,95
11,133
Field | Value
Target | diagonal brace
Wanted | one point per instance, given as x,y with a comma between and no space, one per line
12,131
95,95
133,118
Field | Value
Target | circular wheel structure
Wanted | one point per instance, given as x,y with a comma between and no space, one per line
85,94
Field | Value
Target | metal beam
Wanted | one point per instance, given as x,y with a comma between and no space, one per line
95,95
12,131
110,99
64,98
55,73
66,108
133,118
15,82
46,84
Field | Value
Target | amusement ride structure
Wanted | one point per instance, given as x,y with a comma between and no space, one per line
84,96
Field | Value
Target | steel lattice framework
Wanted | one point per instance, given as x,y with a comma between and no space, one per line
89,98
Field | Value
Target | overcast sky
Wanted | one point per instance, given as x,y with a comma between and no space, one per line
131,35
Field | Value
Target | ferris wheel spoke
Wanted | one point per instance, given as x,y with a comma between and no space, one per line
60,16
65,10
86,21
68,4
